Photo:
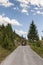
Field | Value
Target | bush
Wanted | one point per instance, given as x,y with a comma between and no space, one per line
38,43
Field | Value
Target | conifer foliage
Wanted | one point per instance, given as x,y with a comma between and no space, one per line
6,37
33,33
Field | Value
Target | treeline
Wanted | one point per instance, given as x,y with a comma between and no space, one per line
7,37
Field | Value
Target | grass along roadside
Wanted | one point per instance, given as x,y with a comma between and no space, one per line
4,53
38,50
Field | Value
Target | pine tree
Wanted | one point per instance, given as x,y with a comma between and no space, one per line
2,34
33,33
9,37
6,37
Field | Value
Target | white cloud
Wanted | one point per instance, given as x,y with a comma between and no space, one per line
6,3
38,8
25,5
24,11
23,1
16,8
21,32
5,20
34,2
39,12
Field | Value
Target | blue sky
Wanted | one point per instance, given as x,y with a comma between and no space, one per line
20,13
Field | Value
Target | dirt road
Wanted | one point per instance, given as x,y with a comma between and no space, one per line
23,55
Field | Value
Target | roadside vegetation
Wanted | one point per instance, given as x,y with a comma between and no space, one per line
33,40
3,53
37,48
7,40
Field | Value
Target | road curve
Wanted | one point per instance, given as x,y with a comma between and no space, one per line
23,55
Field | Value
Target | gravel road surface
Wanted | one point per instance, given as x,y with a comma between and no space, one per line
23,55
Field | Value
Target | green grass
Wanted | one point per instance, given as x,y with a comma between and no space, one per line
4,53
38,50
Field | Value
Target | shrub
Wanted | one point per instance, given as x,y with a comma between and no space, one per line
38,43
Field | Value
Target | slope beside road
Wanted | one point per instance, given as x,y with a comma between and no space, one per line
23,55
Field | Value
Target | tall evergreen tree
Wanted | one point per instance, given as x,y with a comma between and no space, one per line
6,36
2,34
9,31
33,33
9,37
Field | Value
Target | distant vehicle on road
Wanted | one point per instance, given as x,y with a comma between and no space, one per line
23,43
